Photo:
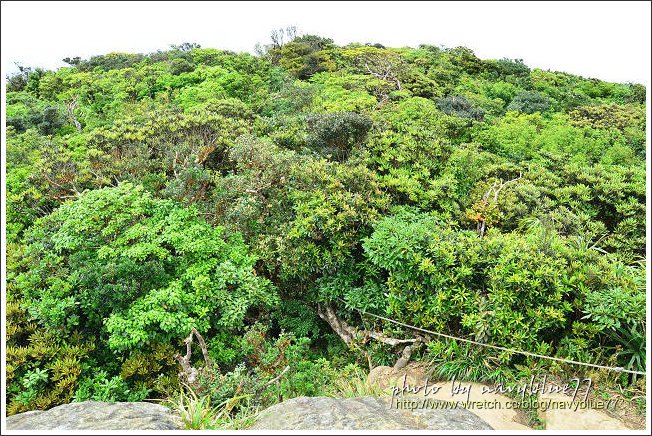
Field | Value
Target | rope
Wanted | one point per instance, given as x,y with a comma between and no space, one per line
496,347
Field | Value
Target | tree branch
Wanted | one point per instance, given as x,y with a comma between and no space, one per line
348,333
277,378
497,186
407,353
189,374
71,106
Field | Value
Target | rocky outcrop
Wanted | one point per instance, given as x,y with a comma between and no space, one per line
95,415
500,418
574,416
366,413
385,377
559,413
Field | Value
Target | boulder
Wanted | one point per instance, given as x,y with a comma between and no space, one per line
574,416
500,418
386,377
365,413
95,415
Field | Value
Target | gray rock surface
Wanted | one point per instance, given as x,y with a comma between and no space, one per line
366,413
95,415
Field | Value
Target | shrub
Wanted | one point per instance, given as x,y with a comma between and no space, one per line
459,106
227,108
529,102
509,70
122,266
335,134
43,370
609,116
179,65
303,59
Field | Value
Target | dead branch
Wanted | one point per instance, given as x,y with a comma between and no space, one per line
503,184
190,375
277,378
257,193
384,72
369,362
497,186
231,403
407,353
71,106
343,330
387,340
204,349
348,333
58,185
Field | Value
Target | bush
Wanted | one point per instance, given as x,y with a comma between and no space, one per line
227,108
119,265
336,134
459,106
305,58
609,116
110,61
43,370
46,119
275,368
529,102
506,289
509,70
179,65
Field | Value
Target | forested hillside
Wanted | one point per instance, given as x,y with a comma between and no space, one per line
266,199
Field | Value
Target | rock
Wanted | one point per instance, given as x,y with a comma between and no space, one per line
576,417
365,413
95,415
385,376
500,417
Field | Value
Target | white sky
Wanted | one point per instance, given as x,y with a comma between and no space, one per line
605,40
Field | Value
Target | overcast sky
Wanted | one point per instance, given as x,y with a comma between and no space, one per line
605,40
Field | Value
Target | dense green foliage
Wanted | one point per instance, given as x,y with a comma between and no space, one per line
145,270
238,194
